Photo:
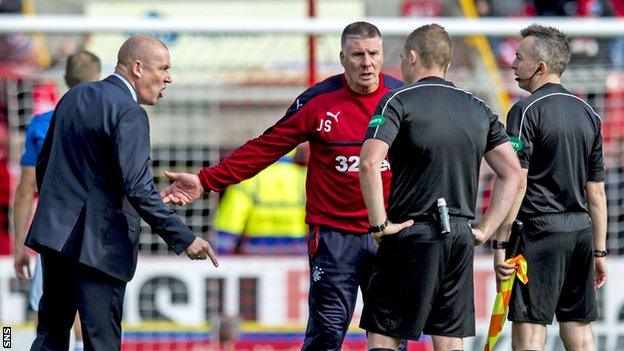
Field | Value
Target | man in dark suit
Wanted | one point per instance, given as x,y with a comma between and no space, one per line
95,184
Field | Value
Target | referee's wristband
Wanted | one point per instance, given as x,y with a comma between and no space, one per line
497,245
378,228
600,253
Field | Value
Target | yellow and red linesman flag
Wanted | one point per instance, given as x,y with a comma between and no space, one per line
501,304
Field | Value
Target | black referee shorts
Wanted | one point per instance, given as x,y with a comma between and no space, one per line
558,249
422,282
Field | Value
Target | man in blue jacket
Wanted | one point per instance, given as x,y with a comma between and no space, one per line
95,184
82,67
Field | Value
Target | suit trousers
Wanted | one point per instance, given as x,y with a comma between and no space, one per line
70,286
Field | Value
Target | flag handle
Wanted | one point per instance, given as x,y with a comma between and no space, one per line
517,228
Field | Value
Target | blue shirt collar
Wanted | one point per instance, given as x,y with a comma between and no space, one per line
134,94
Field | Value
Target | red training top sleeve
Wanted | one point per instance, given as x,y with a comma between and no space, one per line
259,153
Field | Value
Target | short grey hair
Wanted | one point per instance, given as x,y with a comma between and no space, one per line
359,30
550,45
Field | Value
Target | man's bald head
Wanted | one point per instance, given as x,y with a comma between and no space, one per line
144,62
137,47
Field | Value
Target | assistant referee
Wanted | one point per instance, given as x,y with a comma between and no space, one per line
435,135
563,206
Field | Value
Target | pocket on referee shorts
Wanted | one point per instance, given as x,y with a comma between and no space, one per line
544,226
421,232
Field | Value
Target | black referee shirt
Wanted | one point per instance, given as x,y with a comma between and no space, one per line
437,135
557,138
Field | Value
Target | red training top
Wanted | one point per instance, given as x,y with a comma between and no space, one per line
334,120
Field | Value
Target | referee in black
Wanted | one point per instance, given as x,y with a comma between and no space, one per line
562,201
435,136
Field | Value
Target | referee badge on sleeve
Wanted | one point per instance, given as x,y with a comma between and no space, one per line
376,121
516,143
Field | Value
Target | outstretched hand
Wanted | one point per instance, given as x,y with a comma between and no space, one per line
185,189
200,249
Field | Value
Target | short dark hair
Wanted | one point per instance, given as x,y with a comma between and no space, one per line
433,44
82,67
550,45
359,30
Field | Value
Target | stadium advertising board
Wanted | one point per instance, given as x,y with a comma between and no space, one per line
269,296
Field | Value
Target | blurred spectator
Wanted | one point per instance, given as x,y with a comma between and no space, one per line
11,6
227,329
18,59
505,48
11,48
5,187
18,53
507,8
617,47
265,215
44,97
554,7
585,50
421,8
613,119
81,67
614,184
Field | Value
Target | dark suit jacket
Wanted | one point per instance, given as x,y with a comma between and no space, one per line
95,181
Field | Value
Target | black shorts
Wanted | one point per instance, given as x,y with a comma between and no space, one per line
560,266
422,282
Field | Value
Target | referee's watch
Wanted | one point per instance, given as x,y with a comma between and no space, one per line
600,253
378,228
497,245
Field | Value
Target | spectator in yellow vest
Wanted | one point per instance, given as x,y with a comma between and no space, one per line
265,215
